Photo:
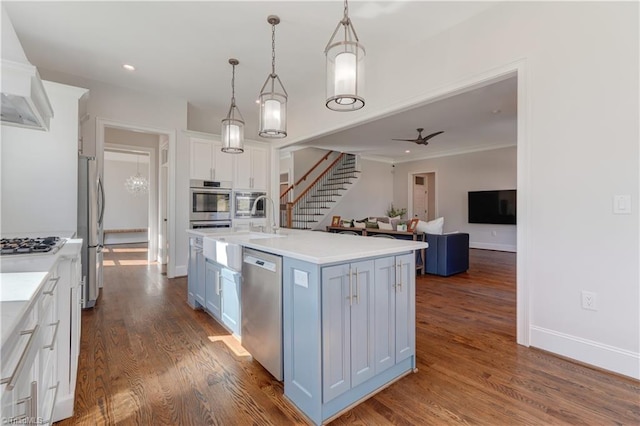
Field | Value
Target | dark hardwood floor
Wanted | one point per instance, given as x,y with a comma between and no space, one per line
147,358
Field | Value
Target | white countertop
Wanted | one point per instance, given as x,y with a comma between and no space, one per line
318,247
21,277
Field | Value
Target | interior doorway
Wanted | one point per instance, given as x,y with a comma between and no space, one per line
424,196
163,245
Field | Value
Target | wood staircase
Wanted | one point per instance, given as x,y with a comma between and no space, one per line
318,199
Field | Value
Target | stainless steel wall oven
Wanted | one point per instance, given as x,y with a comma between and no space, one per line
210,205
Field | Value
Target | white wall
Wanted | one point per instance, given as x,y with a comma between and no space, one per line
579,138
455,177
370,195
40,170
136,108
303,160
125,210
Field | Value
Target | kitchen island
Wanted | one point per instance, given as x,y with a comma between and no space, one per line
348,311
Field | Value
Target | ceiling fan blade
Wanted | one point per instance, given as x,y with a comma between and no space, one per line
405,140
426,138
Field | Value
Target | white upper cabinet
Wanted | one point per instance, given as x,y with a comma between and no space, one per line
252,169
208,162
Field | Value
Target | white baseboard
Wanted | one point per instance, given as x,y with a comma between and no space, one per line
491,246
64,408
181,270
610,358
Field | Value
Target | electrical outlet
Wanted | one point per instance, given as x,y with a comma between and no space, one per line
589,300
494,233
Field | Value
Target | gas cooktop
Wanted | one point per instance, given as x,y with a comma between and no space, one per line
48,245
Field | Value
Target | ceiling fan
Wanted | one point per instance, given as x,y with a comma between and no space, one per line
420,140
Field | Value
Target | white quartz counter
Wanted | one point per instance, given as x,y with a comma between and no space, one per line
21,278
318,247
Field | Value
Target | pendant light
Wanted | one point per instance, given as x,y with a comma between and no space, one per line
233,126
345,68
138,184
273,96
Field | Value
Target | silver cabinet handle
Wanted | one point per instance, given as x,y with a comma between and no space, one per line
357,295
399,285
55,333
219,284
53,287
350,288
11,380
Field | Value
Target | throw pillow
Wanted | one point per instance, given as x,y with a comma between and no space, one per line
372,225
385,226
432,227
360,225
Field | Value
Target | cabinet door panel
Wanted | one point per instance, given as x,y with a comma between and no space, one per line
362,323
336,336
230,308
201,159
384,314
222,164
405,308
259,167
200,275
212,289
243,170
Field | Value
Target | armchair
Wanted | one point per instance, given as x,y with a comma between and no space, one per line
447,254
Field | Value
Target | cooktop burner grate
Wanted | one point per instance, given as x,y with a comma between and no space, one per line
30,245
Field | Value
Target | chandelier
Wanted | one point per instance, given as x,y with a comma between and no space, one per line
345,68
137,184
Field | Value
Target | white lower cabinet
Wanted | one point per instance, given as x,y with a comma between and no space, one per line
39,358
221,296
213,289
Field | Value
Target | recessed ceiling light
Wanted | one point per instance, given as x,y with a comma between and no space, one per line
129,67
496,111
257,101
407,151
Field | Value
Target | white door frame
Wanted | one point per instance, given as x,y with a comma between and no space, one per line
101,125
163,180
523,232
411,176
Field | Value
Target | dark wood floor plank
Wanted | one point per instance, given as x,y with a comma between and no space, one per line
148,359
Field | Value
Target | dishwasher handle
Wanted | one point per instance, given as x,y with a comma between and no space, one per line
260,263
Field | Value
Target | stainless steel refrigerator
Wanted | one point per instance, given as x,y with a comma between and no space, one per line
91,204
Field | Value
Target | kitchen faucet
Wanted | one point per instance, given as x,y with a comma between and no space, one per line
274,227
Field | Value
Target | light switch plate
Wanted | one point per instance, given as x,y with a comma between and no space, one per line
622,204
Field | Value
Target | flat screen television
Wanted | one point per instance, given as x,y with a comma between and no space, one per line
495,207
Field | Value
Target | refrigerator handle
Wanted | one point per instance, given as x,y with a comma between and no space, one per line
102,201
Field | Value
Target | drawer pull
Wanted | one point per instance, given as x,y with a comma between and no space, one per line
11,380
53,287
55,333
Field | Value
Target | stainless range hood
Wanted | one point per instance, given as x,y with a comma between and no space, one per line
24,100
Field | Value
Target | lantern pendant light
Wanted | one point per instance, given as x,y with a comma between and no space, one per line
273,96
233,126
345,68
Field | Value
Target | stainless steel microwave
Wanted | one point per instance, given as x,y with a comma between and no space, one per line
244,201
209,202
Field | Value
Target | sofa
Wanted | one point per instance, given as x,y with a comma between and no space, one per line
447,254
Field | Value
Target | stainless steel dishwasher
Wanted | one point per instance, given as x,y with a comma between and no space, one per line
262,309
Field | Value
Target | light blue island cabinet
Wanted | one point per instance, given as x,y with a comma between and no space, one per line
348,310
349,330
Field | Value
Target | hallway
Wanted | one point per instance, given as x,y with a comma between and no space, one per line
148,359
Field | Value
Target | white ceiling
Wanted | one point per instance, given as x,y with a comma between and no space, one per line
181,49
